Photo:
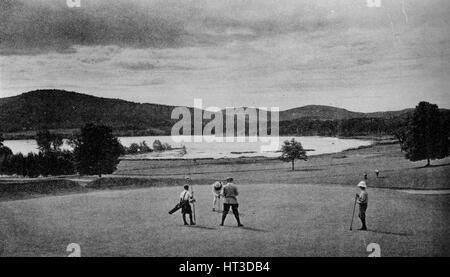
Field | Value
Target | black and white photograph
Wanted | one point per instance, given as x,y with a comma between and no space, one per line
231,129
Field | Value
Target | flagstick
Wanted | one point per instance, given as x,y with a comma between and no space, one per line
192,191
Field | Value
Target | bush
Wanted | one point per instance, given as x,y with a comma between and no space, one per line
166,146
140,148
183,150
133,149
158,146
144,148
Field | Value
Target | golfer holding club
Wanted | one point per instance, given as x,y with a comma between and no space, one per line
230,194
362,199
186,198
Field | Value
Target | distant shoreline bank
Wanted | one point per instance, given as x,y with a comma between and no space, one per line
343,168
68,133
205,149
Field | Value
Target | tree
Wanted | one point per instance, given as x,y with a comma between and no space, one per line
132,149
5,153
48,142
398,128
135,148
96,150
427,134
144,148
166,146
293,150
157,145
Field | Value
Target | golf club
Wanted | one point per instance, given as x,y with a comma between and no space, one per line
353,214
193,205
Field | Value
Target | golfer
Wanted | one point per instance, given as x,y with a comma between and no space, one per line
185,201
362,199
230,193
216,191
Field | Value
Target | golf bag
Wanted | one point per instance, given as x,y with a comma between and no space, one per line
176,208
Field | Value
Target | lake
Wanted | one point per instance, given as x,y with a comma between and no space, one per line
195,150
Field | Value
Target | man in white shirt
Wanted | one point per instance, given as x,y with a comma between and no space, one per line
185,199
362,199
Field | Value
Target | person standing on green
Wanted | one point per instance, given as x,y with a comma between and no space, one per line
230,193
186,198
362,199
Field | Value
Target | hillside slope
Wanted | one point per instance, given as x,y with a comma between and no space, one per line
318,112
57,109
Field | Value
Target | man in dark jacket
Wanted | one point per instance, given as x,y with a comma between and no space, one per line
230,193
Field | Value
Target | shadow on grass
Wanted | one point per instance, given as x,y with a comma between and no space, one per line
210,172
193,173
230,213
432,166
253,229
306,170
200,227
405,234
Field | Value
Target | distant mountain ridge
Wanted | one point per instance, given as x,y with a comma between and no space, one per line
321,112
60,109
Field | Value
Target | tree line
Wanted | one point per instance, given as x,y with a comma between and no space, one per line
424,135
343,127
96,151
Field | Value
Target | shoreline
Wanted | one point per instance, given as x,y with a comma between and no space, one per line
67,133
222,160
345,168
314,145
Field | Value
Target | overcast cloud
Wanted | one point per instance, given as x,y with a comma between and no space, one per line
284,53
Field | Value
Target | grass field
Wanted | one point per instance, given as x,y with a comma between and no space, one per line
280,220
305,212
346,168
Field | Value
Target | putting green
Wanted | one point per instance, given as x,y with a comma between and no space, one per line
279,219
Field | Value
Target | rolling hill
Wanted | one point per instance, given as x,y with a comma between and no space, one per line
320,112
59,109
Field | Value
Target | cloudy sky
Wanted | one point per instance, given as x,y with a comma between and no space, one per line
283,53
